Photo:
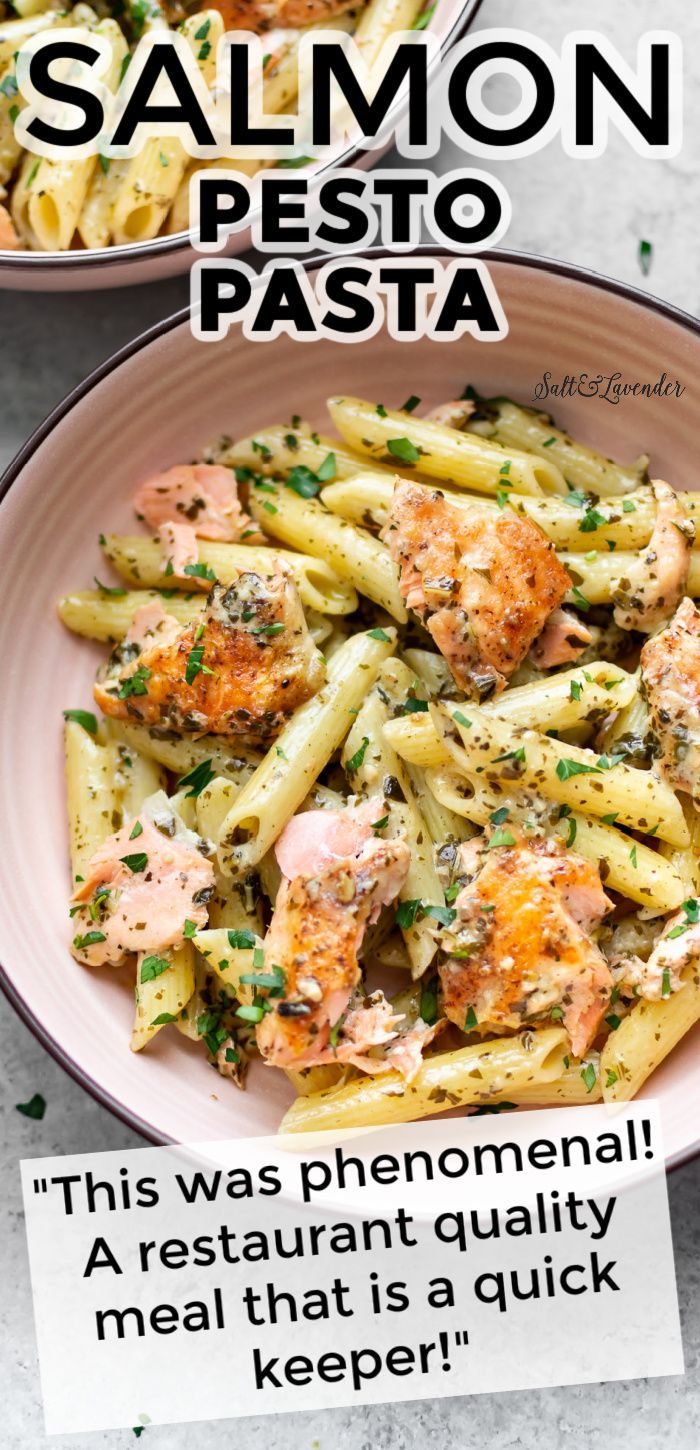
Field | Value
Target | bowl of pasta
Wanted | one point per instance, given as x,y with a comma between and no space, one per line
352,769
106,223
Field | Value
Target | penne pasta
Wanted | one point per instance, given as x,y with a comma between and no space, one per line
352,553
598,689
632,869
646,1036
485,745
515,427
282,781
470,1076
279,449
436,451
93,809
141,562
162,993
372,766
181,755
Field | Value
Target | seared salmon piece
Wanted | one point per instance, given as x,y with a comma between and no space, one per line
316,932
242,670
9,239
519,948
202,495
483,585
142,884
562,640
261,15
670,669
660,975
656,581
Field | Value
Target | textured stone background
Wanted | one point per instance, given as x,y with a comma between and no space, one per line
592,213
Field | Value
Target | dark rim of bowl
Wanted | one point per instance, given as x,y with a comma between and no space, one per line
566,270
99,257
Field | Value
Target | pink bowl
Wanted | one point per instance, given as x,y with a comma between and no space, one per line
82,271
152,405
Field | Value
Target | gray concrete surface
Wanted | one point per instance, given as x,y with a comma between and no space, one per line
592,213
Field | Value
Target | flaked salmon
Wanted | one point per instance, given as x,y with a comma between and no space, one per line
519,948
242,670
316,932
262,15
562,640
143,884
657,580
670,677
484,585
202,495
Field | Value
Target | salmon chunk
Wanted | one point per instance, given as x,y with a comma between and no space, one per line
241,671
316,933
562,640
180,551
484,585
519,948
8,236
660,975
202,495
142,885
670,673
656,581
262,15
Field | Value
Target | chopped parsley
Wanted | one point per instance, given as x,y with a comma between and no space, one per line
116,591
35,1108
136,862
356,760
152,967
84,718
410,405
566,768
271,631
198,778
592,520
613,1021
575,689
241,939
611,1078
404,449
498,817
646,253
379,634
471,1020
163,1018
628,507
90,939
407,911
135,684
501,837
137,831
588,1074
666,983
580,599
200,571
